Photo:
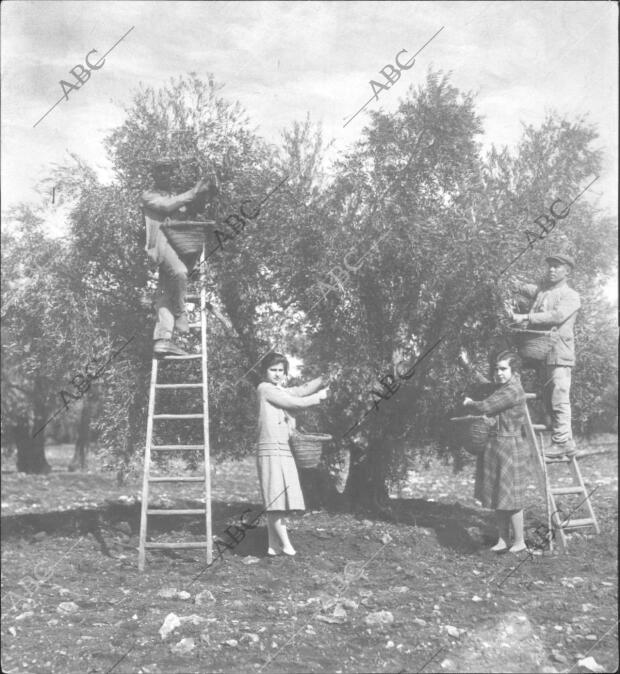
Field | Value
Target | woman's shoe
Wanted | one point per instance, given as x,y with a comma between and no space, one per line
273,551
518,548
500,546
289,552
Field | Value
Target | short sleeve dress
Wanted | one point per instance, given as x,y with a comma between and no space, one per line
503,470
277,471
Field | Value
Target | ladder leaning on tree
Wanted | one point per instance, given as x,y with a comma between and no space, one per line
194,229
536,436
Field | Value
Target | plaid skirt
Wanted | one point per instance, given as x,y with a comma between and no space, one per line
279,480
503,473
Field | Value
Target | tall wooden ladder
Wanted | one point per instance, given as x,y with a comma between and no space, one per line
199,387
536,436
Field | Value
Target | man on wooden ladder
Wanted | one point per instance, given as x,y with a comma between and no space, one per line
158,204
555,305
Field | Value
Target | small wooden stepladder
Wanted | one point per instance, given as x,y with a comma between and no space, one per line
555,522
201,387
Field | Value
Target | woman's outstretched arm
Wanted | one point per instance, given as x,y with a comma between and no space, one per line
282,398
503,399
306,389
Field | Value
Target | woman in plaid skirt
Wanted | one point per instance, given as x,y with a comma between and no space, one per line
502,469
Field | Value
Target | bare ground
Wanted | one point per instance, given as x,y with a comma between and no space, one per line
68,607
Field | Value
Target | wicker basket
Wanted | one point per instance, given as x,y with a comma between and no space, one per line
473,431
534,344
307,447
186,237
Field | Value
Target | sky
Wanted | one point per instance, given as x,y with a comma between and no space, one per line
283,60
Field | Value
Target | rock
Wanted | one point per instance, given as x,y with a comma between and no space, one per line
167,593
339,612
454,631
40,535
232,643
330,619
170,624
448,664
379,618
400,589
67,607
385,539
183,595
205,637
184,646
558,657
591,664
250,637
250,560
193,619
350,603
204,597
24,615
419,621
476,598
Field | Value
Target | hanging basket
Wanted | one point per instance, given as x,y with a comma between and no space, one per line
534,344
186,237
473,432
307,447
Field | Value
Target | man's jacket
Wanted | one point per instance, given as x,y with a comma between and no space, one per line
555,306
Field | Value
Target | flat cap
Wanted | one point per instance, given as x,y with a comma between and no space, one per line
161,162
563,258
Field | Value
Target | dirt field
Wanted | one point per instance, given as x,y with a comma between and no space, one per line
419,592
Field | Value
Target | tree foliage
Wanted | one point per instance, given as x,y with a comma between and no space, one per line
411,243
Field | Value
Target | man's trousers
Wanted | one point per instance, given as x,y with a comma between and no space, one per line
556,399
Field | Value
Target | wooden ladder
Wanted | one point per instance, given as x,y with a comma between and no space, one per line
202,386
535,434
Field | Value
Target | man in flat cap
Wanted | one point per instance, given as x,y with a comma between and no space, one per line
157,205
555,305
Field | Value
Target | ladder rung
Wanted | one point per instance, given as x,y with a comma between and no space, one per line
180,546
178,385
192,298
190,356
178,416
194,325
559,459
531,396
540,427
567,490
176,479
188,511
171,448
585,522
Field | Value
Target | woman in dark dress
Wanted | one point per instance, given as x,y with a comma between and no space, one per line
502,471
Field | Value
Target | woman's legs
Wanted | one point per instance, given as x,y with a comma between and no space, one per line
503,526
516,519
278,536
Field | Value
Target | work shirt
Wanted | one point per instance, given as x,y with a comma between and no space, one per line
156,207
555,306
274,423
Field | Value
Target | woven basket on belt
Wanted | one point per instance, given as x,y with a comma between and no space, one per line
186,237
307,447
534,344
473,431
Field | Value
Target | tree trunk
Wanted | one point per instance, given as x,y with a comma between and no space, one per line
78,462
31,450
367,484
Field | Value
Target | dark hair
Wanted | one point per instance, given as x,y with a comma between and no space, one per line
274,359
512,357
